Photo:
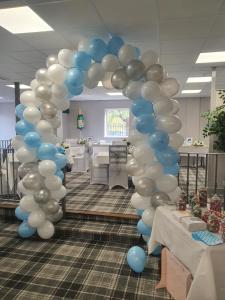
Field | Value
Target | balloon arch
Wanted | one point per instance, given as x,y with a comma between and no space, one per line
154,163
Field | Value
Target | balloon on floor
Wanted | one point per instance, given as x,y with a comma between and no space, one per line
154,132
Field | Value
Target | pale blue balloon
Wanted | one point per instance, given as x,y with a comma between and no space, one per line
60,174
146,124
21,215
75,91
141,107
74,77
168,156
143,229
60,160
173,170
139,212
159,140
23,127
46,151
25,230
82,60
97,49
114,45
136,259
32,139
19,110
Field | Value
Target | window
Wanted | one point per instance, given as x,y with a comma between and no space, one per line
117,122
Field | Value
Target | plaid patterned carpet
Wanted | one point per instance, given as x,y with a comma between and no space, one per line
83,196
71,269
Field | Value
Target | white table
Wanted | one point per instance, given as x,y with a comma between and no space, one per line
206,263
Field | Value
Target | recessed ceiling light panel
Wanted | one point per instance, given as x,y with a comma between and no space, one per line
211,57
199,79
22,19
22,86
191,91
115,94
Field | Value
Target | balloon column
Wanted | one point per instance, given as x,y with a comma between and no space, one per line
117,65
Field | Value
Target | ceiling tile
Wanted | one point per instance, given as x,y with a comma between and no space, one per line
28,56
181,46
173,59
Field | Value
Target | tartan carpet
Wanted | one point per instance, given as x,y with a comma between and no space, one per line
71,269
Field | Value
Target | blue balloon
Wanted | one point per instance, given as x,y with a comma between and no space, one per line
19,110
21,215
75,90
97,49
82,60
60,160
139,212
25,230
142,228
74,77
141,107
159,140
32,139
114,45
136,259
146,124
23,127
138,52
60,174
157,251
168,156
60,150
46,151
173,170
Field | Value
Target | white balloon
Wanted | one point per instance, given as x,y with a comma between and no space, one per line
27,203
175,195
32,114
96,72
150,91
60,103
110,63
176,106
28,98
149,58
34,84
65,58
57,73
166,183
83,45
134,167
143,154
23,190
145,238
148,216
106,81
47,168
140,202
90,84
163,107
169,124
135,137
59,194
154,171
36,218
25,155
53,183
43,127
59,91
170,87
46,230
17,142
50,138
133,89
42,76
176,140
126,54
55,122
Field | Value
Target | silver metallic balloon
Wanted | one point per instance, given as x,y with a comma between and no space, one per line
32,181
145,186
48,110
42,196
155,73
42,76
25,168
134,168
55,217
135,69
51,207
51,60
43,92
119,79
160,198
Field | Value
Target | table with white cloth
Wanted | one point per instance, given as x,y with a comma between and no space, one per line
206,263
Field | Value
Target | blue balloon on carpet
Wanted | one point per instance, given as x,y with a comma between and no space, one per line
159,140
114,44
60,160
25,230
46,151
60,150
139,212
19,110
82,60
168,156
23,127
157,251
60,174
21,215
143,229
136,259
173,170
97,49
146,124
32,139
141,107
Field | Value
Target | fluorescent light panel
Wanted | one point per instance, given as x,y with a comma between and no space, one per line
22,19
191,91
211,57
22,86
115,94
100,83
199,79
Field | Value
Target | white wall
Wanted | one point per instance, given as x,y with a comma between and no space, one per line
93,111
7,121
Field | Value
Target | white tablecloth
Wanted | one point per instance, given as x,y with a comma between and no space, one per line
207,264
